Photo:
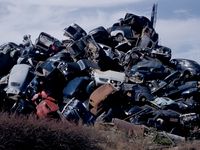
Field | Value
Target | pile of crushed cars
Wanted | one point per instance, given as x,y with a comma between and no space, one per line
119,72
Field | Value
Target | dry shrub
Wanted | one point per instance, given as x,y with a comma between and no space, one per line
27,132
17,133
22,132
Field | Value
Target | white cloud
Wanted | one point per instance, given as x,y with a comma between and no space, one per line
21,17
33,17
73,3
182,36
181,11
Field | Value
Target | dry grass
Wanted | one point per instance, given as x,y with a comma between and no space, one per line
19,133
22,132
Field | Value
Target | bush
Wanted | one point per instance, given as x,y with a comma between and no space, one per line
17,133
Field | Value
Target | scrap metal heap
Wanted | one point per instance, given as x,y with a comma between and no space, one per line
120,72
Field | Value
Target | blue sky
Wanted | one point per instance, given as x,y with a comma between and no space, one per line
178,21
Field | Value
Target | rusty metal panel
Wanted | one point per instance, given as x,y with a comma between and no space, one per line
99,95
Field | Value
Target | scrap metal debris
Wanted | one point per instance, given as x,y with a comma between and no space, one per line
119,72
